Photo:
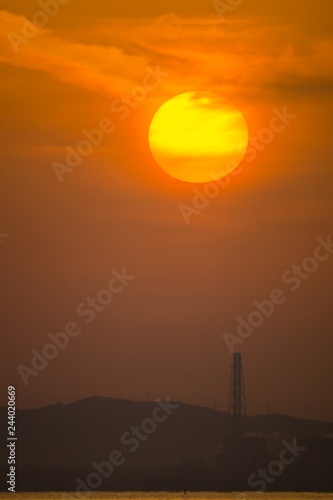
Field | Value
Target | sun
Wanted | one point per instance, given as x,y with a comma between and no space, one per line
198,137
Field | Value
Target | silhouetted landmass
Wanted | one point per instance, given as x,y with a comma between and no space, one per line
58,443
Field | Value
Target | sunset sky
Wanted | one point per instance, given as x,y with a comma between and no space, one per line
199,263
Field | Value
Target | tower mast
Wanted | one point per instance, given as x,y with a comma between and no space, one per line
237,402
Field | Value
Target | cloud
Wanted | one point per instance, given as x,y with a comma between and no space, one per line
107,70
198,52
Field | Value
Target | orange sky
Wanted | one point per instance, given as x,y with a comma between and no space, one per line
117,208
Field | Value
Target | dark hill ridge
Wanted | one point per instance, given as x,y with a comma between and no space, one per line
79,433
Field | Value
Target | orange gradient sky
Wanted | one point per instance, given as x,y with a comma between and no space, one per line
118,208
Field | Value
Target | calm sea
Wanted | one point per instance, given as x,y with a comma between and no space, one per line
168,496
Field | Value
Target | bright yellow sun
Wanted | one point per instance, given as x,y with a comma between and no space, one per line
198,137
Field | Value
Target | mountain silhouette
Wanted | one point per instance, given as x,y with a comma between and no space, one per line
75,434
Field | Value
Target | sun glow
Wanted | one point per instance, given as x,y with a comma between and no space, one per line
198,137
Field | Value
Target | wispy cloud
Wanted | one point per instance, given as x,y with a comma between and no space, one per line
107,70
198,52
